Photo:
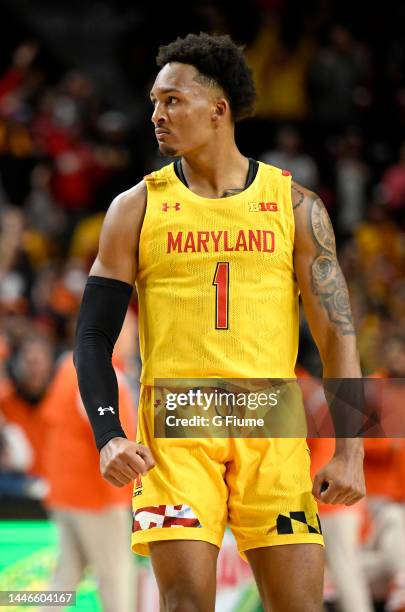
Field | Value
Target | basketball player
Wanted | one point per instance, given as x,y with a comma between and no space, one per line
217,224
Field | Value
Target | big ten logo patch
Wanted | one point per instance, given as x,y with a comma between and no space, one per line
263,207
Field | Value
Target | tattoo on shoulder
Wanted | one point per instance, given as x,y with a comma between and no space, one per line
298,196
328,282
322,227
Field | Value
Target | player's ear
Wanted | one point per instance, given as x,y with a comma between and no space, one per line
221,108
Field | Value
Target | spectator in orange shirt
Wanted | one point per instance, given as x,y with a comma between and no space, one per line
92,516
384,469
340,523
384,546
22,398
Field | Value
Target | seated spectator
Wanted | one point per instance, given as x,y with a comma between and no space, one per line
352,177
393,183
337,74
288,155
15,267
280,58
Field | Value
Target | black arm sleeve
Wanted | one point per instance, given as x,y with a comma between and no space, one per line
102,313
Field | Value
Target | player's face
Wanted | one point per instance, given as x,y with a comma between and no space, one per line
185,111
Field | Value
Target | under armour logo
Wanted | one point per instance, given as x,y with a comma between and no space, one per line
166,206
102,410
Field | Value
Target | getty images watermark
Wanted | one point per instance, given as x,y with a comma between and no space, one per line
218,400
278,407
220,408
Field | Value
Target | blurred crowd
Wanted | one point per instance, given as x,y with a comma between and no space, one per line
331,110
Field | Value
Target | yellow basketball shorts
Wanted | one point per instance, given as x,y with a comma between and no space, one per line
260,487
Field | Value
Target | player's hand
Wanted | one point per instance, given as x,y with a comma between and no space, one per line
341,481
122,460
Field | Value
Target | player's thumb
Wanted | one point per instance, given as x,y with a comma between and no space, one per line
319,485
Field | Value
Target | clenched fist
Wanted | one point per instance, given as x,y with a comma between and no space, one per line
341,481
122,460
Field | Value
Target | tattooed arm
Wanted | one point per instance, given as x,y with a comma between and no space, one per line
327,308
322,285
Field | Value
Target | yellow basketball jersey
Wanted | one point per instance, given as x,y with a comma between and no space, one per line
216,286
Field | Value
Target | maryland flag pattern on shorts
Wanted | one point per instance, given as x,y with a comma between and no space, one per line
297,522
164,516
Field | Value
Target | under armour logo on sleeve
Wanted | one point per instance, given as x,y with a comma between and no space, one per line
103,410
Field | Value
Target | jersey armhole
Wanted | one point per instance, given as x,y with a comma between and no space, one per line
145,179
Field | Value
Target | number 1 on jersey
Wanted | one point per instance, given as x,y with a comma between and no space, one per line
221,283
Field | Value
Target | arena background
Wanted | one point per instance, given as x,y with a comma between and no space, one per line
75,131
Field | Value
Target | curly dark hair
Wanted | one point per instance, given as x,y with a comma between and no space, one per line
219,59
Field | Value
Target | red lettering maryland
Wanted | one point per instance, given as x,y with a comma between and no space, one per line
221,241
227,247
174,244
255,238
202,239
268,241
189,244
216,239
241,242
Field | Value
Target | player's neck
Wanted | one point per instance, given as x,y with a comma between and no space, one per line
216,172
